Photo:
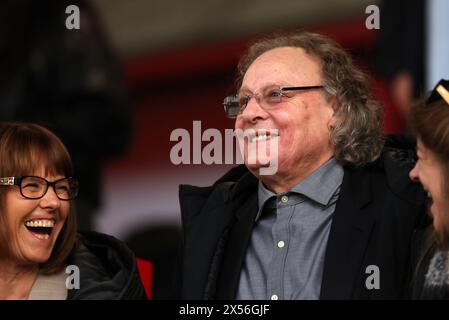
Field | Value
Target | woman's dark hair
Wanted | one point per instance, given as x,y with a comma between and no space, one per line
430,123
24,148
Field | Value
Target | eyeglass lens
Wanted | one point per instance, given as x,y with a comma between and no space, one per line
36,187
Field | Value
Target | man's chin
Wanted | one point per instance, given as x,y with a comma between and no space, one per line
253,167
260,170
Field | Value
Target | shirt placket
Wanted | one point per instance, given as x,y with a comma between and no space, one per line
281,240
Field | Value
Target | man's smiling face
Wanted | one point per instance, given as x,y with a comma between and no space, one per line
302,118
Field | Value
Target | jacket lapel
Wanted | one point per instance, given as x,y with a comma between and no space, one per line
351,225
234,255
201,237
223,220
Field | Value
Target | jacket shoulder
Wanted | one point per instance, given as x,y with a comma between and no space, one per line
108,269
396,163
194,199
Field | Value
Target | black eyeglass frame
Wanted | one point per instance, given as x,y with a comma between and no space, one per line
17,181
233,101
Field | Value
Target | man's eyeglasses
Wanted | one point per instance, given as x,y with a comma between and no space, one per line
269,98
32,187
441,91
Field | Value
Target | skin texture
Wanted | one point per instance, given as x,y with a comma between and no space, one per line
303,119
428,171
20,267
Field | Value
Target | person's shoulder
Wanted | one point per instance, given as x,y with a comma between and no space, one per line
397,159
400,151
107,268
105,247
237,180
95,239
390,171
227,181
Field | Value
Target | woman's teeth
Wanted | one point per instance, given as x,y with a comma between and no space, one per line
40,223
40,228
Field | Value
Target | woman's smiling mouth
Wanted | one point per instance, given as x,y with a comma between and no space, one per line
40,228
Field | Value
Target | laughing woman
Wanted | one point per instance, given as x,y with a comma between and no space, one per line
38,238
430,123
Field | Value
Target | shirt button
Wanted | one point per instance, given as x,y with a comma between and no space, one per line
284,199
274,297
281,244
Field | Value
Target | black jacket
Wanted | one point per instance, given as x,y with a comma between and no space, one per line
375,217
108,269
424,250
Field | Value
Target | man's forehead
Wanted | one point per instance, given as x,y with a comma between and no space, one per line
287,55
285,65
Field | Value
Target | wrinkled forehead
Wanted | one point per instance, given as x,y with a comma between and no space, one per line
283,66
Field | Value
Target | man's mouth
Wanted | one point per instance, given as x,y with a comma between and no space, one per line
258,137
40,228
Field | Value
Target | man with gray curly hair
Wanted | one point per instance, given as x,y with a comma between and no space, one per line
335,219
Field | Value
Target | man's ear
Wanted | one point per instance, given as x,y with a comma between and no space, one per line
333,120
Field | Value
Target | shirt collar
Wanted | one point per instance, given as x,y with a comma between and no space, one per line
320,186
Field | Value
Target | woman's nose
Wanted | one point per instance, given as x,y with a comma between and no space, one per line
50,199
414,174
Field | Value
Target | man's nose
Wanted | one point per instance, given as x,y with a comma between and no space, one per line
253,110
414,174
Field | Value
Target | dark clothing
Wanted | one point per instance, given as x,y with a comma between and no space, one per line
108,269
400,42
375,216
430,271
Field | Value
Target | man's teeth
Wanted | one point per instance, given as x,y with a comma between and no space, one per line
262,137
40,223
